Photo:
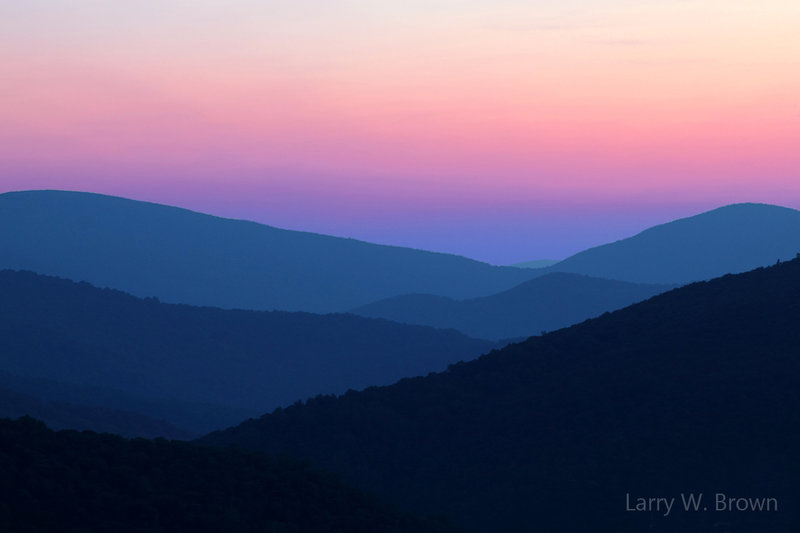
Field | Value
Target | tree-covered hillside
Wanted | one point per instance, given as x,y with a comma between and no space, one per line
694,390
55,329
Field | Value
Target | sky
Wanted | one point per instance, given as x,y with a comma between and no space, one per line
503,130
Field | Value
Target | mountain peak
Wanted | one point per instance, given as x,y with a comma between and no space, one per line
730,239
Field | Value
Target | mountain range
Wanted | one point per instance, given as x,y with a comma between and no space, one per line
185,257
727,240
181,256
223,362
553,301
692,391
730,239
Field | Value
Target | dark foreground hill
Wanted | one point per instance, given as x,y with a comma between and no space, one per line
731,239
181,256
74,333
96,483
692,391
550,302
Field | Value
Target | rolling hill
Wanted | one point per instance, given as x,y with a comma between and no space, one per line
731,239
728,240
550,302
181,256
73,333
692,391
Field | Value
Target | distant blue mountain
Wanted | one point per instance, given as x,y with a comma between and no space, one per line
696,387
728,240
550,302
54,332
181,256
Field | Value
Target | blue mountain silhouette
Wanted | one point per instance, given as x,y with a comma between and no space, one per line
181,256
550,302
693,390
74,333
728,240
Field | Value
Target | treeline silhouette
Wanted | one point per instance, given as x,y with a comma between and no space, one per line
95,483
51,328
694,390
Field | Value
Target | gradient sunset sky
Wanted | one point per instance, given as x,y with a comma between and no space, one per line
503,130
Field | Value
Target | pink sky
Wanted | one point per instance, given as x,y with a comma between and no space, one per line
502,130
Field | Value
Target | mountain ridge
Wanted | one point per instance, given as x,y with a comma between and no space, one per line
230,360
552,301
182,256
691,390
727,240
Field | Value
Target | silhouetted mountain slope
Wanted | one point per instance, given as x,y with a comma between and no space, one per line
550,302
731,239
98,483
694,390
56,329
59,415
181,256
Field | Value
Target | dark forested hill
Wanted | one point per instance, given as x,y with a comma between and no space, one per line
74,333
694,390
97,483
731,239
181,256
550,302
